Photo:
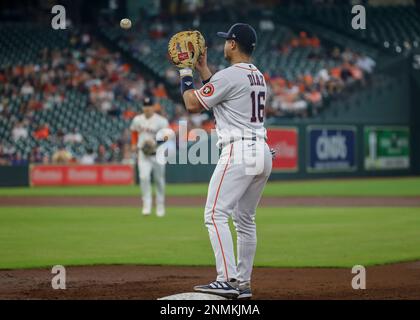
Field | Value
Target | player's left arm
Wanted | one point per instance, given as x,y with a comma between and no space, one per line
192,103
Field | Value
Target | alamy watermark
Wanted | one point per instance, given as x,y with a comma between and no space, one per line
59,22
196,146
58,282
359,280
358,22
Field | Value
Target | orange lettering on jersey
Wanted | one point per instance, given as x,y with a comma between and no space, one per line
207,90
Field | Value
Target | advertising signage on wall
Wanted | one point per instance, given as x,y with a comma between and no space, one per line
387,148
66,175
285,142
331,148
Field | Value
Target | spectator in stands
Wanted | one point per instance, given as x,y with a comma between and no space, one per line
88,158
314,97
347,55
315,42
86,40
102,156
273,107
73,137
35,105
52,101
266,25
345,73
9,150
366,64
106,105
127,155
27,89
159,91
115,154
295,105
291,90
157,29
172,76
356,73
36,155
322,75
42,132
129,114
46,159
62,156
18,160
59,137
19,131
4,158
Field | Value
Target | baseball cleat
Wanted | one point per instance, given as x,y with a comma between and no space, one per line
160,211
227,289
245,291
146,212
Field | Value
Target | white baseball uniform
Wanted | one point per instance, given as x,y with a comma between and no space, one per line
237,97
147,130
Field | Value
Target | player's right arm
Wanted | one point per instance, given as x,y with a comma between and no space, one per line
216,90
134,140
191,102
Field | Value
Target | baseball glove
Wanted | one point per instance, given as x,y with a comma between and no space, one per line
185,48
149,148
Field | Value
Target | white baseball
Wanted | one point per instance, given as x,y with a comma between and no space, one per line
125,23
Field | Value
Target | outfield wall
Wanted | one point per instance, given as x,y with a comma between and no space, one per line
14,176
319,150
345,150
306,151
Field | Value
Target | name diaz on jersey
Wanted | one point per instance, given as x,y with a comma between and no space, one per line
256,79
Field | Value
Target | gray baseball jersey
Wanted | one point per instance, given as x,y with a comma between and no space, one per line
237,96
149,129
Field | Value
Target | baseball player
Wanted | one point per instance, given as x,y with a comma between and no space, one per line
144,133
237,97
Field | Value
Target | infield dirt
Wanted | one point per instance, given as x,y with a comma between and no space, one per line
397,281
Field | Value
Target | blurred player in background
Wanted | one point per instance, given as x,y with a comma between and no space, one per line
144,129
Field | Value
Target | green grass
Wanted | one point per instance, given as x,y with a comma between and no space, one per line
338,187
292,237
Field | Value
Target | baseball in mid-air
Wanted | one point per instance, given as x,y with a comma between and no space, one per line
125,23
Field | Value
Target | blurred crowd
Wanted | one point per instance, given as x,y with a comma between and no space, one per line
307,94
86,67
302,96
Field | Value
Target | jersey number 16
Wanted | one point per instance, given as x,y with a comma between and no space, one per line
258,105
